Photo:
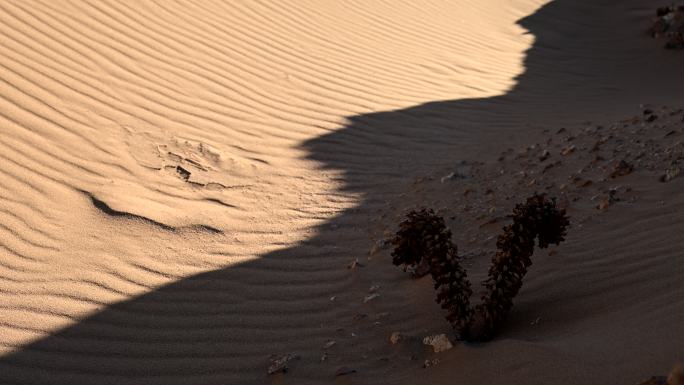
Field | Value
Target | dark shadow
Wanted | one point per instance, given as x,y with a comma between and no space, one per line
589,58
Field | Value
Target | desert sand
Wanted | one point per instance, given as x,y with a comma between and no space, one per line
185,185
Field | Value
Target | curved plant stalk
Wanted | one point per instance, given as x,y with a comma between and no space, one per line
423,235
538,218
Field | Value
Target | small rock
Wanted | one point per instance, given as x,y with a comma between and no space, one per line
359,317
279,364
374,250
672,172
651,118
329,344
622,168
396,337
370,297
447,177
544,156
612,195
354,264
429,363
183,173
607,202
604,204
374,289
343,371
439,342
568,150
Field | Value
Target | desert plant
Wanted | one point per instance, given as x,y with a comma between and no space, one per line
423,235
538,218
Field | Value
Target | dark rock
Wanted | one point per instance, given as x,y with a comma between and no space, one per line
544,156
622,168
183,173
343,371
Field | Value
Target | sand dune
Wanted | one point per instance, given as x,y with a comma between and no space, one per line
185,183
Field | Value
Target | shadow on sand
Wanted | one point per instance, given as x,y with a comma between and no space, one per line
589,58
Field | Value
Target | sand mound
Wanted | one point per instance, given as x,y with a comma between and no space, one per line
185,183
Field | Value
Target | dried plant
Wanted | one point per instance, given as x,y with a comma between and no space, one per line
538,218
424,236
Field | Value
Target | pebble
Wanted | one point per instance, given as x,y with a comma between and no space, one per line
279,364
670,173
374,250
429,363
545,155
354,264
396,337
343,371
439,342
370,297
622,168
447,177
568,150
